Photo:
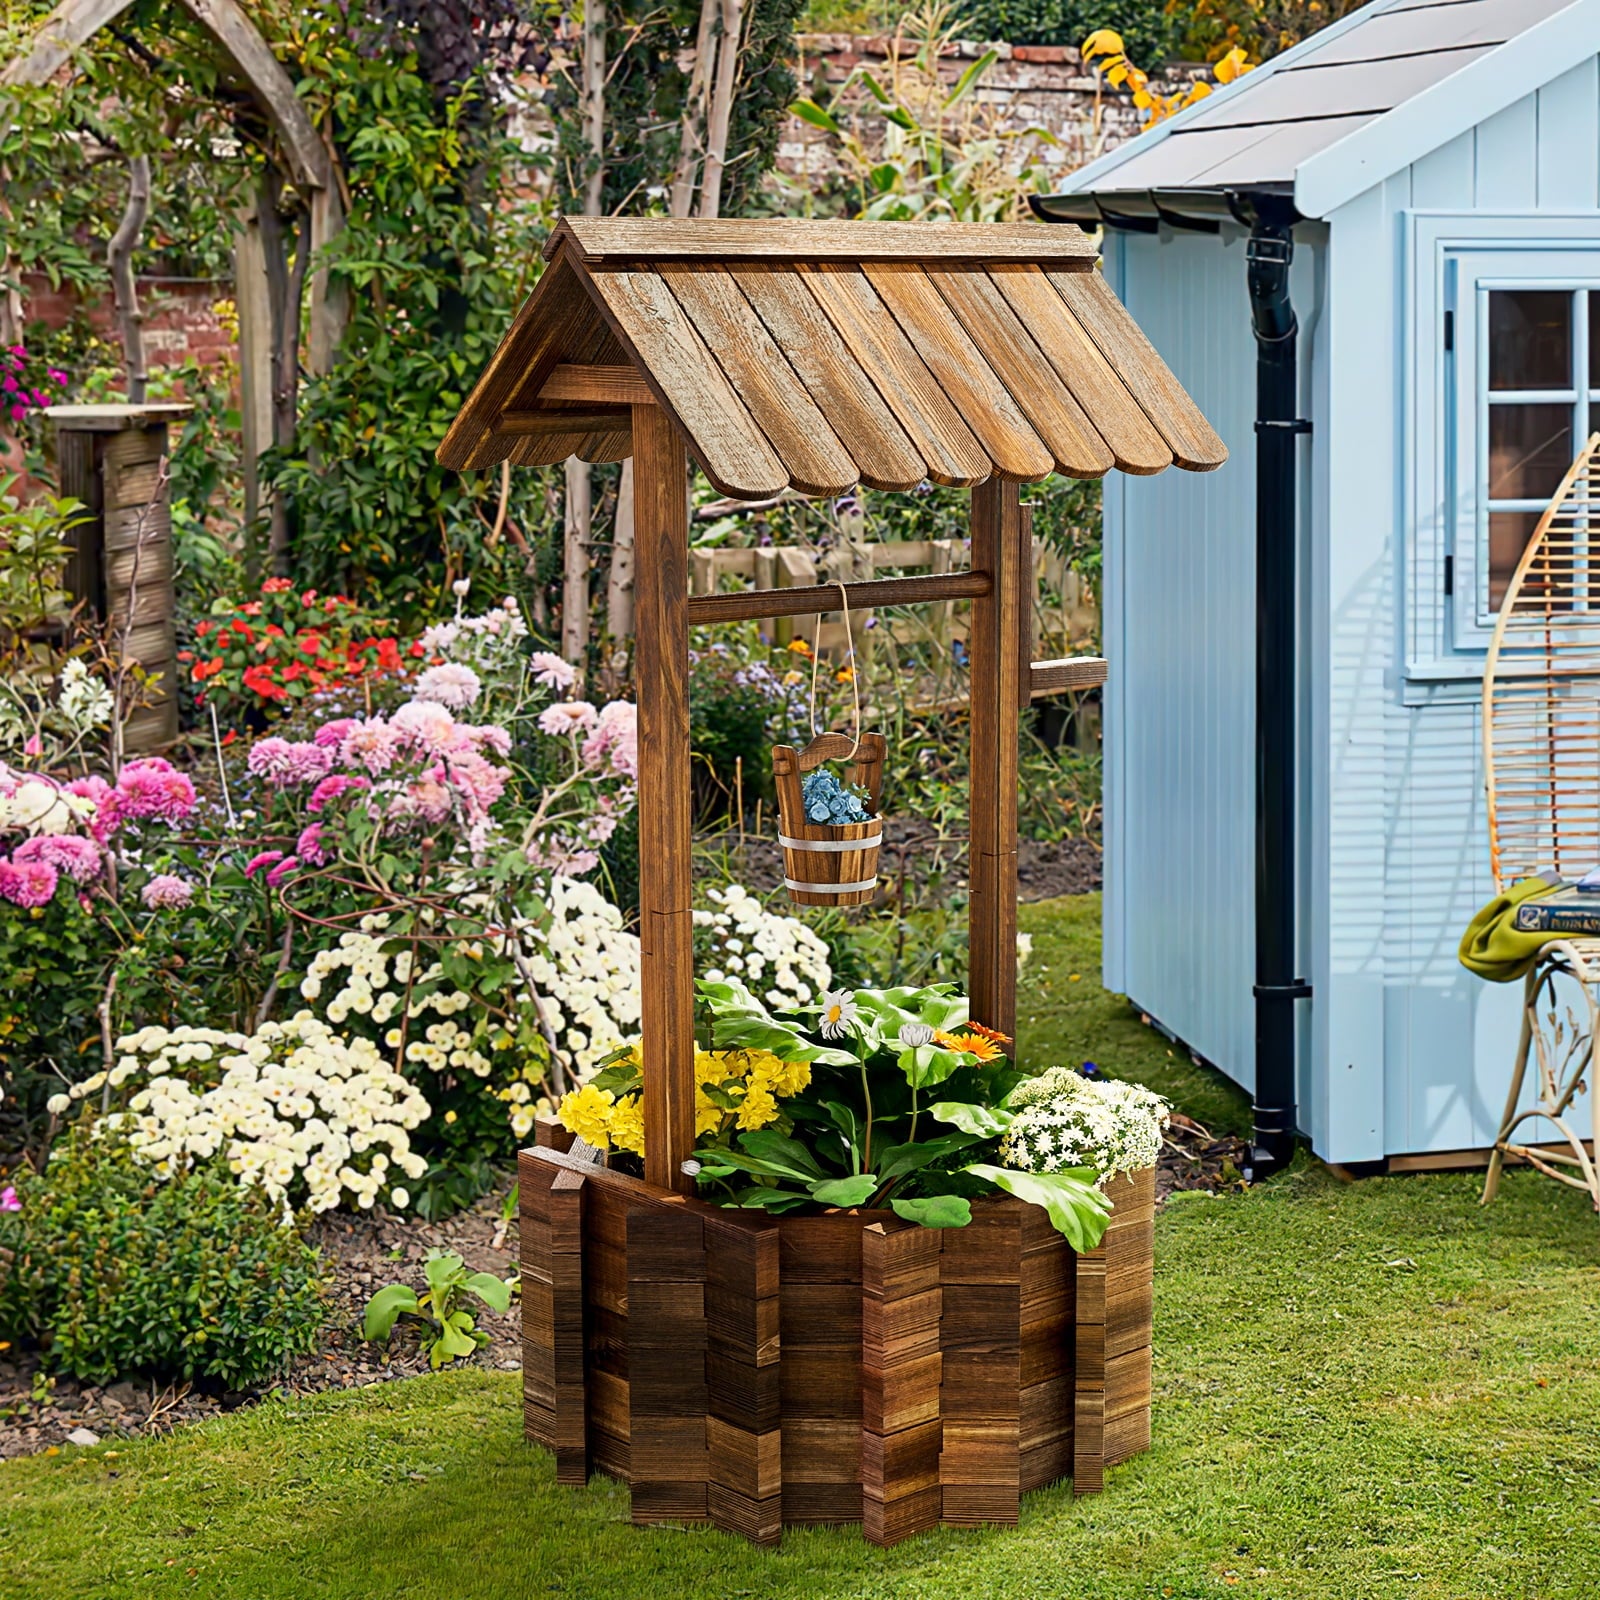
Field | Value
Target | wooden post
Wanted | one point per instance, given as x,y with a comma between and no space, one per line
996,695
666,954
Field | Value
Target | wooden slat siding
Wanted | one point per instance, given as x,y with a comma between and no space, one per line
1113,1324
530,348
1117,419
819,1301
817,461
935,427
666,1363
962,371
980,1333
791,239
997,623
1044,1405
683,375
900,1373
596,385
743,1355
569,1354
885,455
538,1300
544,424
1049,403
1192,440
666,955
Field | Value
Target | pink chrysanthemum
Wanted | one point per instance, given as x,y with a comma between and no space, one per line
70,853
265,859
331,788
167,892
333,734
427,798
285,765
552,671
288,865
107,807
425,725
372,744
309,845
615,741
449,684
491,737
27,883
481,781
153,788
568,717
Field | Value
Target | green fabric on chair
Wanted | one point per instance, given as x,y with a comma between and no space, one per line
1493,947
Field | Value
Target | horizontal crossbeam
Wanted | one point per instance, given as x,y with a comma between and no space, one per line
812,599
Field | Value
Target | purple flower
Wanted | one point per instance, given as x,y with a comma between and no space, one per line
27,883
265,859
9,1200
70,853
167,892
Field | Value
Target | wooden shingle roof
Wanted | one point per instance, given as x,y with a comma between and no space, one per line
819,355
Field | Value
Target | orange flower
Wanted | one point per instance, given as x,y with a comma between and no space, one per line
988,1033
969,1043
800,647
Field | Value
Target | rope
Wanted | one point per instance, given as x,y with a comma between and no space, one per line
855,677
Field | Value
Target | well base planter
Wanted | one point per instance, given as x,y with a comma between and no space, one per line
758,1372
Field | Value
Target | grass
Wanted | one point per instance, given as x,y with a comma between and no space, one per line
1365,1390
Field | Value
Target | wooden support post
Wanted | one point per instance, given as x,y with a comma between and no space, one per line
571,1423
997,693
666,954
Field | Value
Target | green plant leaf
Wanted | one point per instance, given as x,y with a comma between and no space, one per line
1076,1208
845,1191
988,1122
902,1158
929,1064
494,1292
766,1144
384,1308
441,1269
773,1200
810,111
936,1210
963,85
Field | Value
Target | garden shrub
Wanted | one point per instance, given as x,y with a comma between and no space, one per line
1148,31
119,1273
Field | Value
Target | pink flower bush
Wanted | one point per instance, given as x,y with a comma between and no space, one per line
154,788
70,853
568,717
551,672
167,892
332,787
309,845
28,884
258,863
614,744
449,684
372,744
284,764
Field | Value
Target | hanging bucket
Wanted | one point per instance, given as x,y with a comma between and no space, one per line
824,864
830,864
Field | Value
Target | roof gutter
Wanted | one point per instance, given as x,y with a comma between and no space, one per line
1147,210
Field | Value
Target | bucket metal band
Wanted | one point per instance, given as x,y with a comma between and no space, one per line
800,887
831,846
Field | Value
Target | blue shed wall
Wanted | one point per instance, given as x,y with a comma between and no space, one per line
1417,1051
1180,626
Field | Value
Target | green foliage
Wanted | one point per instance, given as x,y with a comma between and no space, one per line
649,47
436,263
33,559
450,1331
119,1273
1150,33
1208,29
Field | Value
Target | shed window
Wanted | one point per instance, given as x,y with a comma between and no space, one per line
1522,389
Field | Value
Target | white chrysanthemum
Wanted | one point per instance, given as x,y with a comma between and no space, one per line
1066,1120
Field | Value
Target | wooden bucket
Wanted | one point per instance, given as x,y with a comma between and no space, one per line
824,865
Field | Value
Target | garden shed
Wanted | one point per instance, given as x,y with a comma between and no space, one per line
1415,188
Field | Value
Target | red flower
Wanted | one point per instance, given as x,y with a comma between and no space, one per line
388,656
207,669
230,736
416,648
186,655
260,679
308,597
201,629
240,626
251,610
276,586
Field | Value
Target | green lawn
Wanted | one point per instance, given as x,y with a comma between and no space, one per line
1369,1389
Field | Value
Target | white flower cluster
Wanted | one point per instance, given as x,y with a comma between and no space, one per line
84,700
1066,1120
777,957
296,1110
488,644
586,969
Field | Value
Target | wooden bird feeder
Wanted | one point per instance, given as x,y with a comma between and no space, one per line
760,1370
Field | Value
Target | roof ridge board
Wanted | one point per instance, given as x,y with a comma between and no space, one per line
617,241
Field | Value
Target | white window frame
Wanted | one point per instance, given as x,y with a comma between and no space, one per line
1456,261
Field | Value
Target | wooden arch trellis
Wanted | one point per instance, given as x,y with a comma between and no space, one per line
817,356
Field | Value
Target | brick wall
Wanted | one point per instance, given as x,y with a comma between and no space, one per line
181,319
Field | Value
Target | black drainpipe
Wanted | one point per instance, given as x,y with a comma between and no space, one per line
1269,252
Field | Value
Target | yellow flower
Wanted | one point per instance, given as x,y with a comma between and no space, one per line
781,1077
586,1113
800,647
627,1124
758,1107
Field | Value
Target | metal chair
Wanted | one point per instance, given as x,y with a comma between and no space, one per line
1541,750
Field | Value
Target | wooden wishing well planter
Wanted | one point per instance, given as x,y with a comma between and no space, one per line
742,1368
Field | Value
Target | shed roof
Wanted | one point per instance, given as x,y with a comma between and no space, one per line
1381,88
819,355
